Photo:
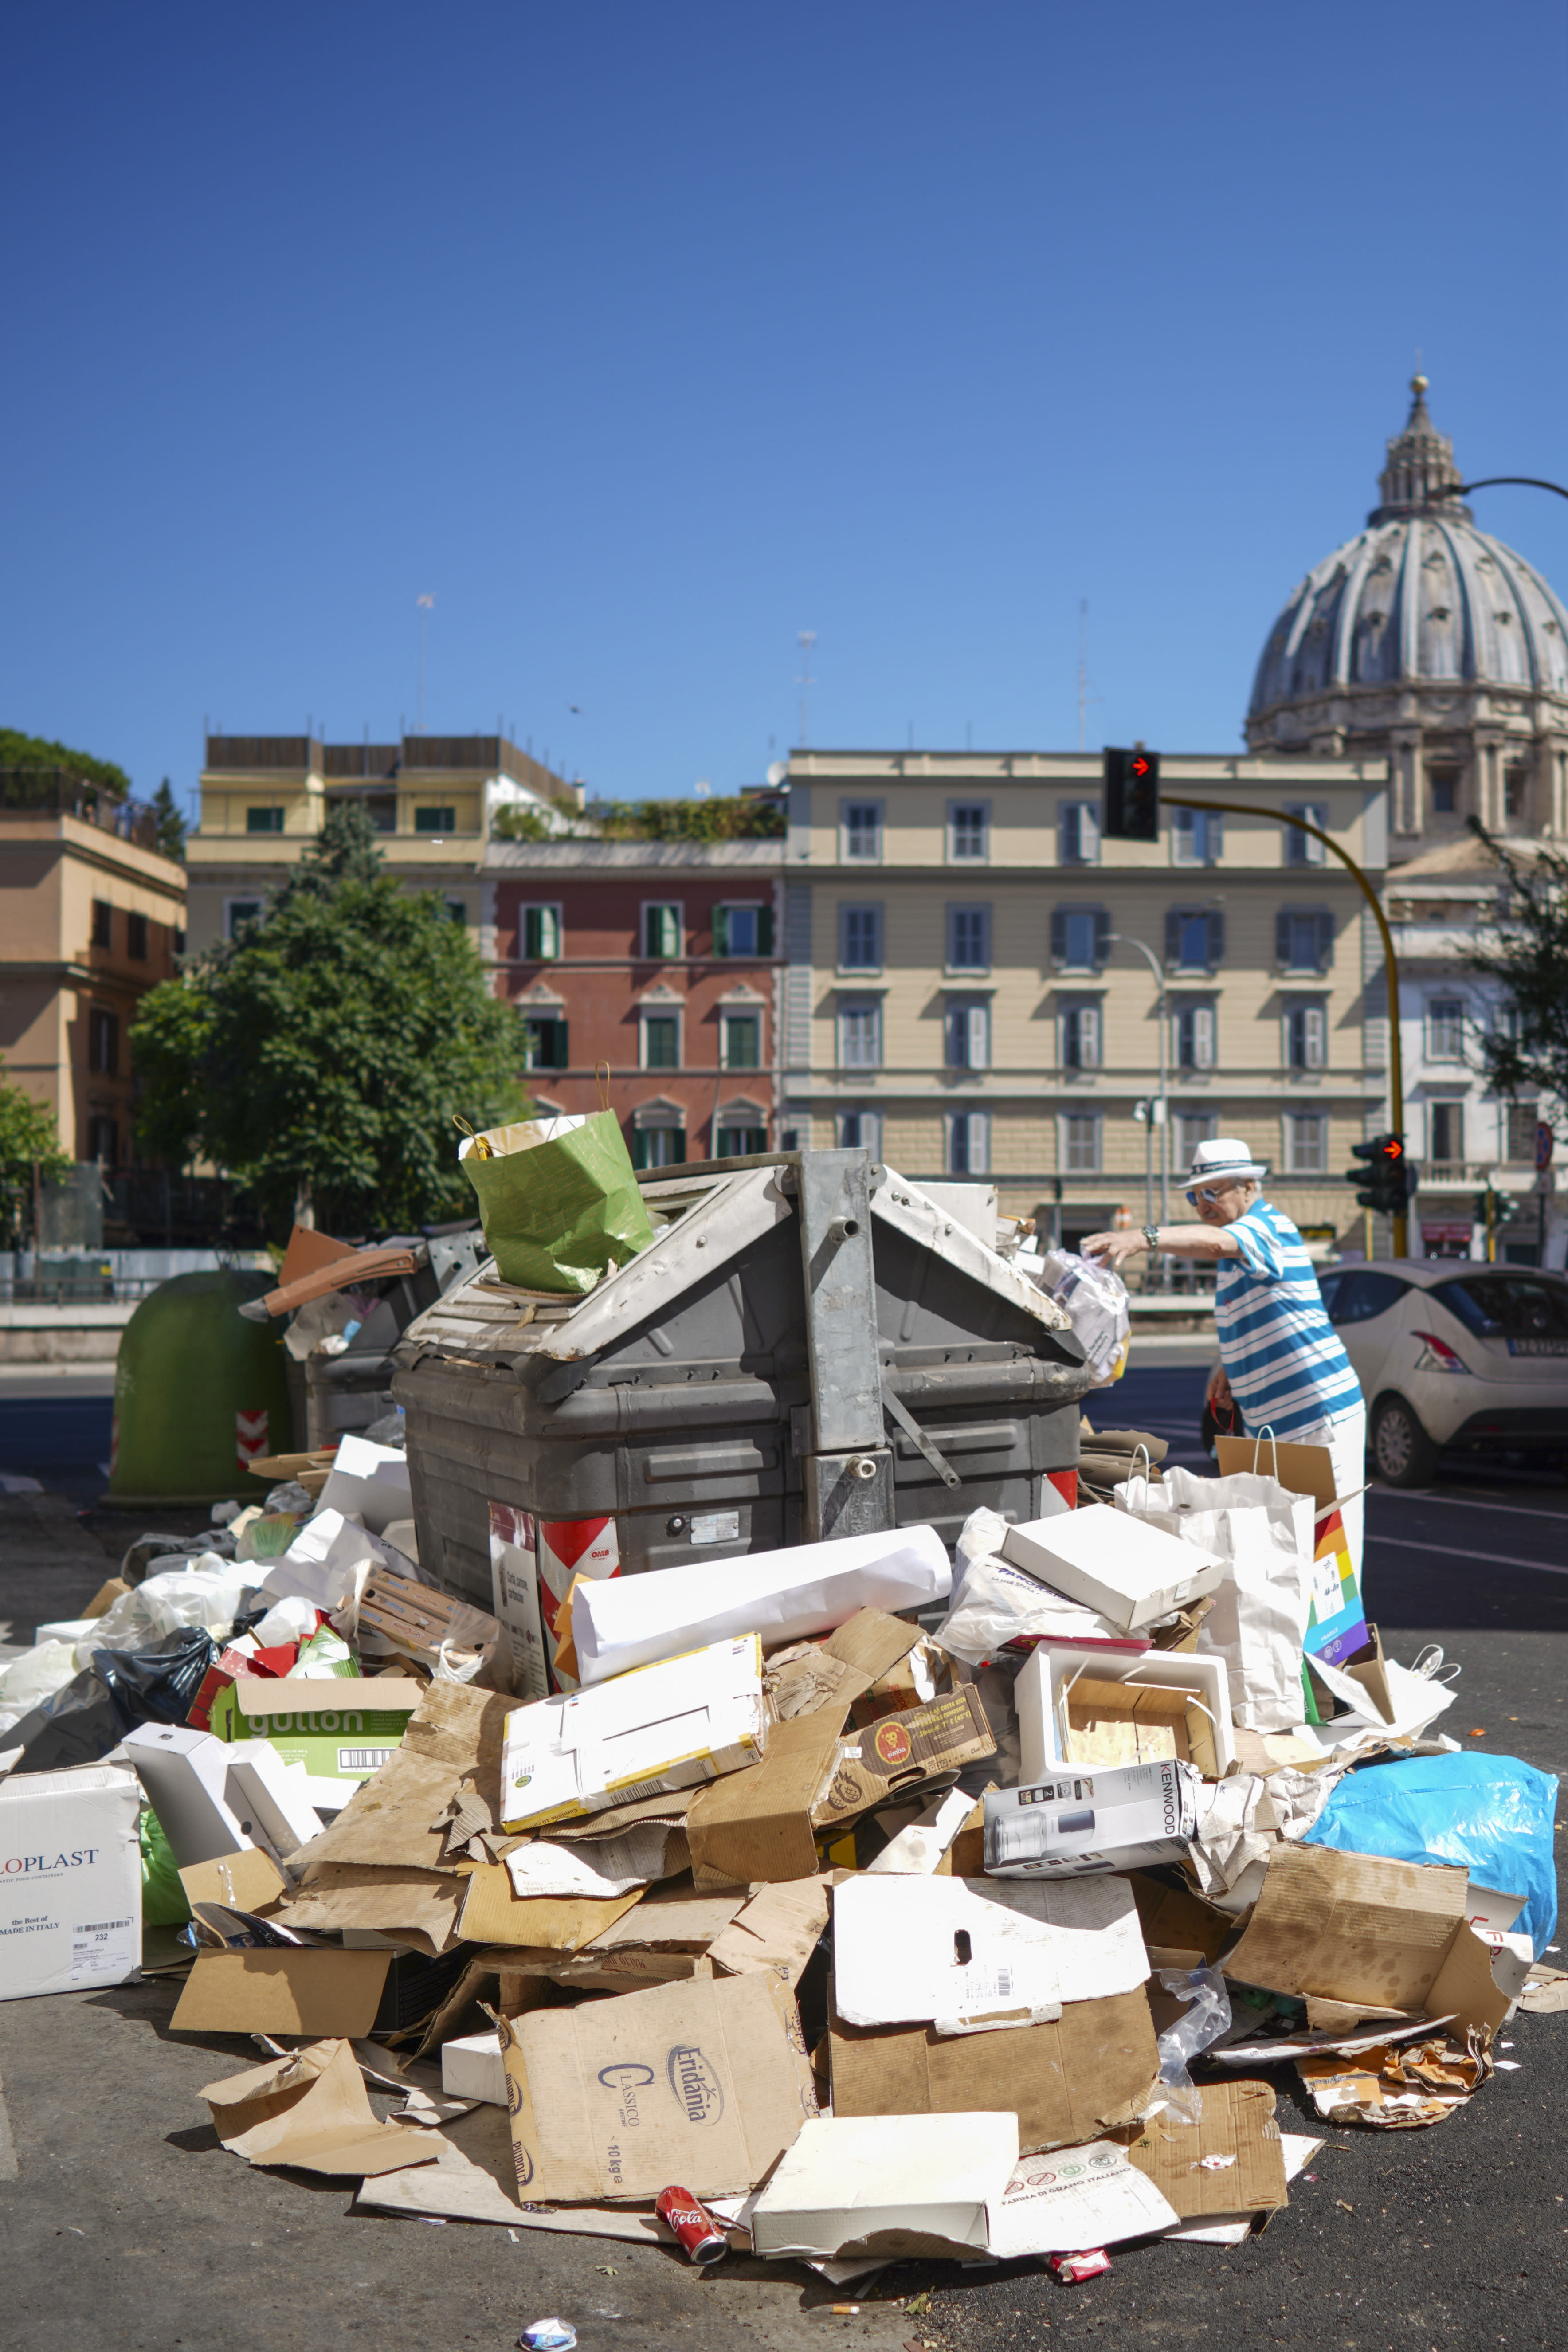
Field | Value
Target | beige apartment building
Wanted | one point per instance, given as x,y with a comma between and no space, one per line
976,983
91,915
436,798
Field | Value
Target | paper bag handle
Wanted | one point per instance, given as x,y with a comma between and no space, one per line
1267,1431
602,1080
482,1150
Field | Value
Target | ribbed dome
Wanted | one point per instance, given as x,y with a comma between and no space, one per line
1421,597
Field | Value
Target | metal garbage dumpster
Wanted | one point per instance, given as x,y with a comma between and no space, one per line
809,1347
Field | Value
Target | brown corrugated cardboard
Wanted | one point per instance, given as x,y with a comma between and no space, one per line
455,1734
1174,1915
777,1930
250,1881
705,2084
1350,1927
756,1825
1301,1469
1229,2163
299,1991
418,1904
1066,2082
902,1750
309,2109
307,1694
492,1914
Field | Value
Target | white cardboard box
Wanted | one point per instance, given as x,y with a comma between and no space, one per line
1132,1573
472,2068
370,1479
1085,1821
1052,1668
672,1726
70,1880
185,1776
877,2182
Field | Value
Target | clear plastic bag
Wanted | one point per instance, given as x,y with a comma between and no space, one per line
1094,1301
1178,2095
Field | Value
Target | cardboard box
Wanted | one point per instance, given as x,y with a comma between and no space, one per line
340,1726
299,1991
472,2068
185,1776
1352,1928
863,1653
1237,2126
1090,2071
887,2185
455,1734
70,1880
270,1799
777,1930
1104,1560
968,1953
900,1752
370,1480
669,1726
308,2108
704,2083
1132,1817
622,1622
1185,1712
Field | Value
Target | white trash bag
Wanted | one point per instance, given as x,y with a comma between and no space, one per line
1094,1301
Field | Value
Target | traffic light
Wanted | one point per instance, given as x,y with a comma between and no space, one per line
1131,795
1388,1177
1493,1208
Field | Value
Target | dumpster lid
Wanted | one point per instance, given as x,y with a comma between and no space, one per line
714,1215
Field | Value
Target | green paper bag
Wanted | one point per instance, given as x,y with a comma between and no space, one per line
559,1201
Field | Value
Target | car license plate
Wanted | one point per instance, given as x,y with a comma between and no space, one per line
1538,1347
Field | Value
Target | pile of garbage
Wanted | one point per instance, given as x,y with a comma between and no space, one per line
838,1904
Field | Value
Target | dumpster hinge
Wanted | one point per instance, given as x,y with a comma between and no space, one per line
898,1411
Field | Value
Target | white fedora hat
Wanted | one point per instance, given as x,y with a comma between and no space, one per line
1224,1159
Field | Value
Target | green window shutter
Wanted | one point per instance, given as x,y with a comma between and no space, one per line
720,931
764,931
560,1058
676,1144
533,932
663,932
639,1146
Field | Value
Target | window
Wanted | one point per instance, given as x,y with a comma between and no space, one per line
1447,1131
541,934
661,932
240,911
968,1143
1080,937
1304,939
136,938
1443,783
102,923
860,939
860,1130
1306,1143
1193,1127
103,1140
859,1036
735,1140
743,1035
457,909
861,832
1077,833
1522,1120
1197,837
742,930
968,939
263,820
1300,849
1357,1297
1306,1037
1193,1036
1508,1306
1081,1037
544,1042
380,807
967,1039
1515,788
1194,939
1080,1144
661,1041
658,1147
1446,1029
968,833
435,820
179,943
103,1043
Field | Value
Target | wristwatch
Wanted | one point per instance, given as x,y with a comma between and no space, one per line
1152,1238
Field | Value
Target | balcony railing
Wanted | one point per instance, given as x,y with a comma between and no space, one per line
53,791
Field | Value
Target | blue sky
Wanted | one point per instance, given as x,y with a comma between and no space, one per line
644,337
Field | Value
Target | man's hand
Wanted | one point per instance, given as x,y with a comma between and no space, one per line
1112,1249
1218,1390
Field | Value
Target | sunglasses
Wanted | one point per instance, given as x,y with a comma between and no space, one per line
1209,1193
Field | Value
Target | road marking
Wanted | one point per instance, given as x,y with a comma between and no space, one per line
8,2144
1466,1503
1492,1559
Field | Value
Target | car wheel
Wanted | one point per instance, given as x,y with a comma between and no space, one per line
1404,1453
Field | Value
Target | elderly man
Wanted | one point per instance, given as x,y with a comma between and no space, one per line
1279,1359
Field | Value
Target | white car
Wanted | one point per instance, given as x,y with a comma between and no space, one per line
1454,1353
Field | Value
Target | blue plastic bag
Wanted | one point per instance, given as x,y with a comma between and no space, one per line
1490,1813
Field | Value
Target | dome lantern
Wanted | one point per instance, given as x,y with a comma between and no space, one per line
1420,475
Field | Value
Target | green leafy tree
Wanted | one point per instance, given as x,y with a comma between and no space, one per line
19,751
28,1140
170,824
320,1056
1526,948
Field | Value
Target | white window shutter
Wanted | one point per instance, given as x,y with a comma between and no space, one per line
1088,1036
979,1036
1202,1036
1315,1037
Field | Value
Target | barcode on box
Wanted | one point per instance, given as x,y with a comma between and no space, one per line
363,1760
101,1927
635,1791
1005,1983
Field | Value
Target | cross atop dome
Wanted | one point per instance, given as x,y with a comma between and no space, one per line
1420,467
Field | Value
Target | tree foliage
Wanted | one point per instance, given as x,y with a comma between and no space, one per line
326,1049
170,824
19,751
1526,948
733,817
28,1140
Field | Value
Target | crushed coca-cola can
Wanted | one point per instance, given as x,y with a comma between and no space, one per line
1072,2269
692,2223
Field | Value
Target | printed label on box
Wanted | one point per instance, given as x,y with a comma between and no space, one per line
104,1948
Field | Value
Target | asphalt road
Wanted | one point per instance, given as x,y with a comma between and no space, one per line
125,2225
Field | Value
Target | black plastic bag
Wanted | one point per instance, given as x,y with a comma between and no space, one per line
74,1725
156,1685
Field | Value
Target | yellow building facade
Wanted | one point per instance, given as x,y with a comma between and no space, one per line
978,984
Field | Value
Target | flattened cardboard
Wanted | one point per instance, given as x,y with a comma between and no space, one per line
308,2109
1301,1469
418,1904
492,1914
1084,2199
1237,2122
777,1930
299,1991
1175,1916
1089,2072
1350,1927
455,1734
962,1953
672,1919
888,2184
246,1882
902,1750
756,1826
704,2083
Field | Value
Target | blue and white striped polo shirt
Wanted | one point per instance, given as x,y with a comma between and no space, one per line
1286,1367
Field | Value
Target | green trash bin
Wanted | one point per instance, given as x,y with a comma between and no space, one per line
199,1393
